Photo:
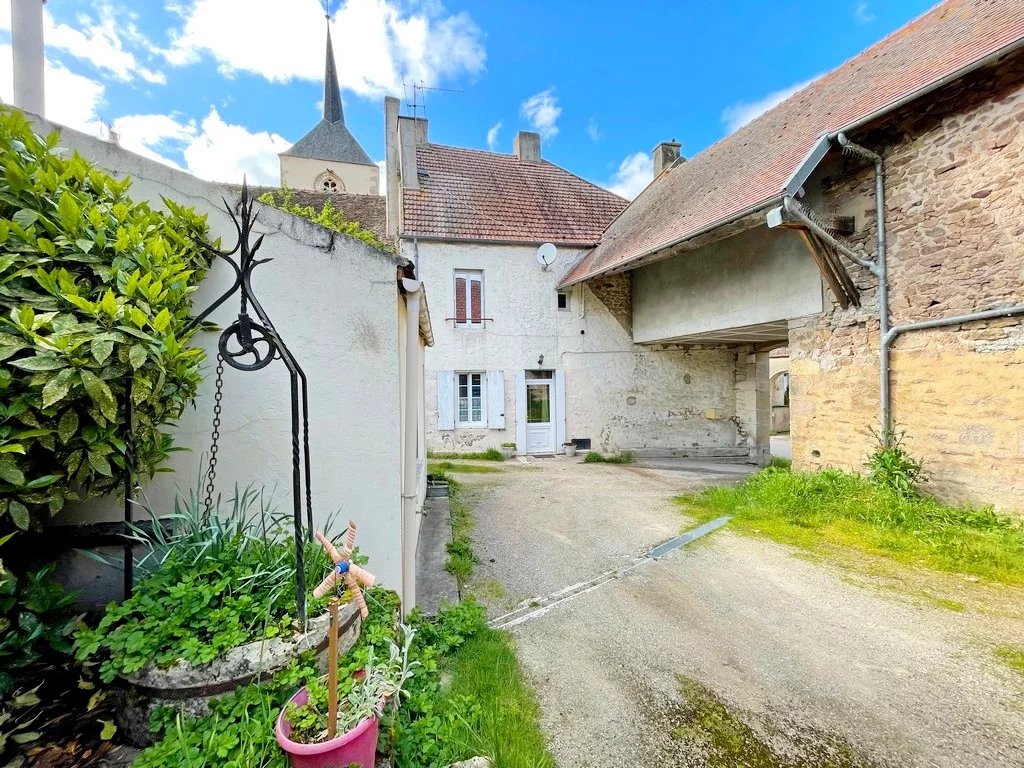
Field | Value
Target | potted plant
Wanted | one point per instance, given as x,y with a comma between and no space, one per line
508,450
332,724
570,448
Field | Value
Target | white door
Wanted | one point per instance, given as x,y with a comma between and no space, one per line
540,417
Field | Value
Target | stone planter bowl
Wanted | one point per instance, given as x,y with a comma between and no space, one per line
191,689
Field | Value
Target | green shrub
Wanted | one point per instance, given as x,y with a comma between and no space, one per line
427,732
227,577
36,623
891,467
328,216
95,290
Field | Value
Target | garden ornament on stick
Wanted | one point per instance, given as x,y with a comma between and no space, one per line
355,577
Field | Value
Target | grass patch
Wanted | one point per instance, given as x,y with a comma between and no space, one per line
506,729
444,467
839,509
491,454
593,457
461,559
1011,657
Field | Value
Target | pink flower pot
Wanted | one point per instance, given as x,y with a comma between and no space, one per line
357,746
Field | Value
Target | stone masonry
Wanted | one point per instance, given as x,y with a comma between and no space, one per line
955,207
616,293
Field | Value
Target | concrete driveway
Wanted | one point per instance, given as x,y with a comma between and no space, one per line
792,655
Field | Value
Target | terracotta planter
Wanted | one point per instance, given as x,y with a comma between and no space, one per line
358,745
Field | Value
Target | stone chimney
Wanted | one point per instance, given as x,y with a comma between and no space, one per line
527,147
392,167
665,154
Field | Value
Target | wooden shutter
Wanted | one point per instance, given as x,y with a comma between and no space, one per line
446,400
559,410
495,400
521,411
476,298
460,299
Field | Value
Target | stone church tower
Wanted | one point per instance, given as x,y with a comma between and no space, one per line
328,158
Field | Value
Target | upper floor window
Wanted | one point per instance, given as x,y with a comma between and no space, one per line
469,298
563,300
329,182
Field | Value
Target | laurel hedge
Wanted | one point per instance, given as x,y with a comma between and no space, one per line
95,291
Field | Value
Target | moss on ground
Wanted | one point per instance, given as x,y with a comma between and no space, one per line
717,737
1011,657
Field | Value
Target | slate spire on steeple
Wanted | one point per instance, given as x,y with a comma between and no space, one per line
330,139
332,91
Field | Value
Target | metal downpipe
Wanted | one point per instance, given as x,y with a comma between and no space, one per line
881,269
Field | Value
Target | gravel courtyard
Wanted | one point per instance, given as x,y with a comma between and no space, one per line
816,665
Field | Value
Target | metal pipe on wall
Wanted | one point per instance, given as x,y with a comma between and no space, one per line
882,271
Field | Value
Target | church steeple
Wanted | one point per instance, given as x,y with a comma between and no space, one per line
332,91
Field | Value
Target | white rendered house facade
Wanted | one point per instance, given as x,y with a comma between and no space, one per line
516,360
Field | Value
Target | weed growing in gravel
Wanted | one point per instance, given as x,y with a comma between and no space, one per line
616,458
461,559
491,454
444,467
840,509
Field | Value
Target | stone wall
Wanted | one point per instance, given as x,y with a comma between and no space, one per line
616,293
955,203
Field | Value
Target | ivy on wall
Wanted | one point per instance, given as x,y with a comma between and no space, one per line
95,291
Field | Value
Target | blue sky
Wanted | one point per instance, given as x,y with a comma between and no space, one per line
220,86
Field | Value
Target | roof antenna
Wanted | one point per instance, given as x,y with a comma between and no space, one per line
419,96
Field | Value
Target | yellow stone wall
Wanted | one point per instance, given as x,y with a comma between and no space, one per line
955,222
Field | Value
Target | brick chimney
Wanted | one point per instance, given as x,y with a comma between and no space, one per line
665,154
527,147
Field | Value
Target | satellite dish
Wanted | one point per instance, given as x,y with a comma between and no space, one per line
546,255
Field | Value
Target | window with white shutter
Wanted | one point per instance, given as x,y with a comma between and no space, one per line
469,298
470,400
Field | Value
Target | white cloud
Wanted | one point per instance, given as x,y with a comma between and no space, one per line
593,131
99,42
542,112
634,173
492,136
213,149
71,99
378,46
862,13
742,112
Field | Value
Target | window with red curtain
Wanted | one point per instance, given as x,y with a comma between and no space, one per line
469,298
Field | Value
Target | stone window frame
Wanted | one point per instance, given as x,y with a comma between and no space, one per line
326,178
563,306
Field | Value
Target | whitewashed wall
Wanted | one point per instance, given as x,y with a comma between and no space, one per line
618,394
333,300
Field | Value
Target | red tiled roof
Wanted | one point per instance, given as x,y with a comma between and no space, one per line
749,167
469,194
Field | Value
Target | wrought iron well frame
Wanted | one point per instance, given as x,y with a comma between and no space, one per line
241,340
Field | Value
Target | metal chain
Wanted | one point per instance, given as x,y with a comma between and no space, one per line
211,472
